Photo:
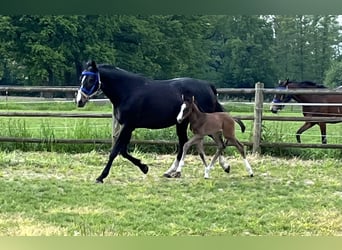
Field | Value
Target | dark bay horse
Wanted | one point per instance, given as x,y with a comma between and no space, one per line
140,102
215,125
309,111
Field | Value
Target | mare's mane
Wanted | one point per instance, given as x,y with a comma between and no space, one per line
121,73
309,84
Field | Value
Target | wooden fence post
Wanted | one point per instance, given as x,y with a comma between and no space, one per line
258,108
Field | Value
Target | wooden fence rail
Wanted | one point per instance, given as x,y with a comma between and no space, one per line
259,92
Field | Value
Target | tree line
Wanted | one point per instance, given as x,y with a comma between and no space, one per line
230,51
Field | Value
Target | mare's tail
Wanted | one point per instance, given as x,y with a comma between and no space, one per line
238,121
219,108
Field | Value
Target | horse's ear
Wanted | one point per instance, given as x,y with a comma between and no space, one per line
182,97
193,99
287,81
92,63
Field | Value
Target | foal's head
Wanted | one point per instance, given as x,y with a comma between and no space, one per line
186,108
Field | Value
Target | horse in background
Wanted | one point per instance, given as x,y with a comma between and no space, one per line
214,125
140,102
309,111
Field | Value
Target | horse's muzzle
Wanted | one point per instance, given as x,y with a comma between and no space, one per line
80,100
275,108
80,104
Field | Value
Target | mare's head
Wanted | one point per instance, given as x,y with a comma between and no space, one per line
186,108
90,84
278,99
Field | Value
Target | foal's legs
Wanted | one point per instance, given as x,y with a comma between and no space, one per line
201,153
240,148
121,147
220,147
194,140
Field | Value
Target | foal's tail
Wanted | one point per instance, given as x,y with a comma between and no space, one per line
238,121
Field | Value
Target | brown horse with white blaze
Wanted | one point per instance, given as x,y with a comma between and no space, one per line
214,125
326,107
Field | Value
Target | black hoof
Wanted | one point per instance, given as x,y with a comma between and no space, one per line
144,168
172,175
167,175
251,175
99,181
227,170
177,175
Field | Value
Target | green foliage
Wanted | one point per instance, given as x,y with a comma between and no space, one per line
230,51
333,77
241,44
305,45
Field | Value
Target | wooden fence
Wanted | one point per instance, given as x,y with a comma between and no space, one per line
257,117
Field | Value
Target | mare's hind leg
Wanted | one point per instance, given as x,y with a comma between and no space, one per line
121,147
303,128
241,150
323,128
181,130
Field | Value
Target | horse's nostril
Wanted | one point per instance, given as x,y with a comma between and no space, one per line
80,104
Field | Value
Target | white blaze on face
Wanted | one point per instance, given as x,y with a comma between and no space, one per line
180,114
79,96
82,81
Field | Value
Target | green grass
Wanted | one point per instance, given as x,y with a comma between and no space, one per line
48,189
46,193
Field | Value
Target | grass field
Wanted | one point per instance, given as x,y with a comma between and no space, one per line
44,193
48,189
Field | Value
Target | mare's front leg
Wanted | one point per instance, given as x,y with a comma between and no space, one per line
182,139
116,129
120,146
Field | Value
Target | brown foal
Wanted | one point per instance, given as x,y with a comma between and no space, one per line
215,125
